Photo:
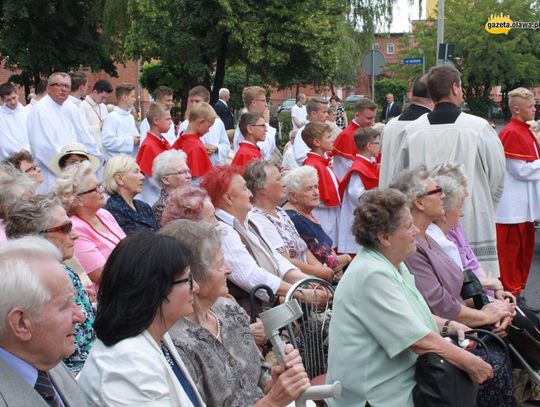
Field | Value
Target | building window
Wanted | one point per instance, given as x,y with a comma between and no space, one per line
376,46
389,48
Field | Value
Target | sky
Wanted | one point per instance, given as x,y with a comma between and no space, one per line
402,13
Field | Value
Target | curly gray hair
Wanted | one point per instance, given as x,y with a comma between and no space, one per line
31,216
411,183
14,185
255,175
70,182
164,163
295,179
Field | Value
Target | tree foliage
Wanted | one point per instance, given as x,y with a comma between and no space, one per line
42,36
397,87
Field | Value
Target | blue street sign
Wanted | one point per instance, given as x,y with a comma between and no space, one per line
412,61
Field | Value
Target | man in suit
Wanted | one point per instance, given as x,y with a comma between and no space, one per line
390,109
223,110
37,327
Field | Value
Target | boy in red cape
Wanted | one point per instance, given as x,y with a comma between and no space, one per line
159,119
201,118
318,137
253,128
361,177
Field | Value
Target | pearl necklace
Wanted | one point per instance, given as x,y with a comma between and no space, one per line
218,323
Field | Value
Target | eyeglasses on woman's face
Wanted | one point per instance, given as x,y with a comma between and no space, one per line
188,279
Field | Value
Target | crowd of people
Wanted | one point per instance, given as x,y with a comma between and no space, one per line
128,252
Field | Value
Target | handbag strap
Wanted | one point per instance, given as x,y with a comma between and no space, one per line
492,337
473,338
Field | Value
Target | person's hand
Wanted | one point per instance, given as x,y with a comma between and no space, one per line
257,330
317,298
328,273
210,148
136,140
458,329
500,327
289,381
92,295
478,370
503,295
498,310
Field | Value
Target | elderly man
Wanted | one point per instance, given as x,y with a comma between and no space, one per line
390,109
215,140
50,126
344,148
13,117
392,135
223,110
254,98
519,206
298,112
37,326
448,135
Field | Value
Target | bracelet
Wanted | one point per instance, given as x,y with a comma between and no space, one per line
445,327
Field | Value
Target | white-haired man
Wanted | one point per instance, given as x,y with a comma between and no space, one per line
519,206
223,109
37,318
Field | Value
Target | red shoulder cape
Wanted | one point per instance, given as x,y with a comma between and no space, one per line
328,190
151,147
245,154
197,157
519,142
344,145
368,172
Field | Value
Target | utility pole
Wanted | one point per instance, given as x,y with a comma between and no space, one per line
440,30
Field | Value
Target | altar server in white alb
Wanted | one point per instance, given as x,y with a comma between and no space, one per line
447,135
164,96
120,134
215,140
49,126
520,205
254,98
13,117
95,110
79,86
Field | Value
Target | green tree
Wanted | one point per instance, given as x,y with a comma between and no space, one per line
39,37
397,87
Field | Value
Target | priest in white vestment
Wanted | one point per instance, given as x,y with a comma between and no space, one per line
13,118
94,109
448,135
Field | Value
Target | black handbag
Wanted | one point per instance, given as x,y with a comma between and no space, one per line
525,336
441,384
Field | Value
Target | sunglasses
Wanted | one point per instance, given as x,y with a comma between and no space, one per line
99,189
65,228
189,280
437,190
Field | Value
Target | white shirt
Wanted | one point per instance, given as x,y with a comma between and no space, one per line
217,136
50,129
13,130
300,113
170,136
246,273
288,158
520,198
267,146
118,131
449,247
95,116
300,148
82,128
355,189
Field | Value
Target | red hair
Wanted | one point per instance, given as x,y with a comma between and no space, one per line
217,181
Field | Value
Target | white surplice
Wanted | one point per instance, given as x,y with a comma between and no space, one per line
118,132
95,116
13,130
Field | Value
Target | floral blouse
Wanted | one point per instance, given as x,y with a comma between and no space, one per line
84,332
159,206
340,116
131,220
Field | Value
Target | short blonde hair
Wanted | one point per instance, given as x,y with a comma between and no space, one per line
202,111
69,183
518,93
117,164
155,110
250,93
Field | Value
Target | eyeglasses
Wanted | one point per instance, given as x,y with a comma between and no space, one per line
189,280
65,228
261,100
183,172
374,142
437,190
32,168
61,85
258,125
98,188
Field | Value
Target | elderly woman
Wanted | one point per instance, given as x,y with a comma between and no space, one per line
440,281
44,215
24,162
215,342
380,322
264,181
82,197
147,288
123,180
170,171
13,187
303,194
188,202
